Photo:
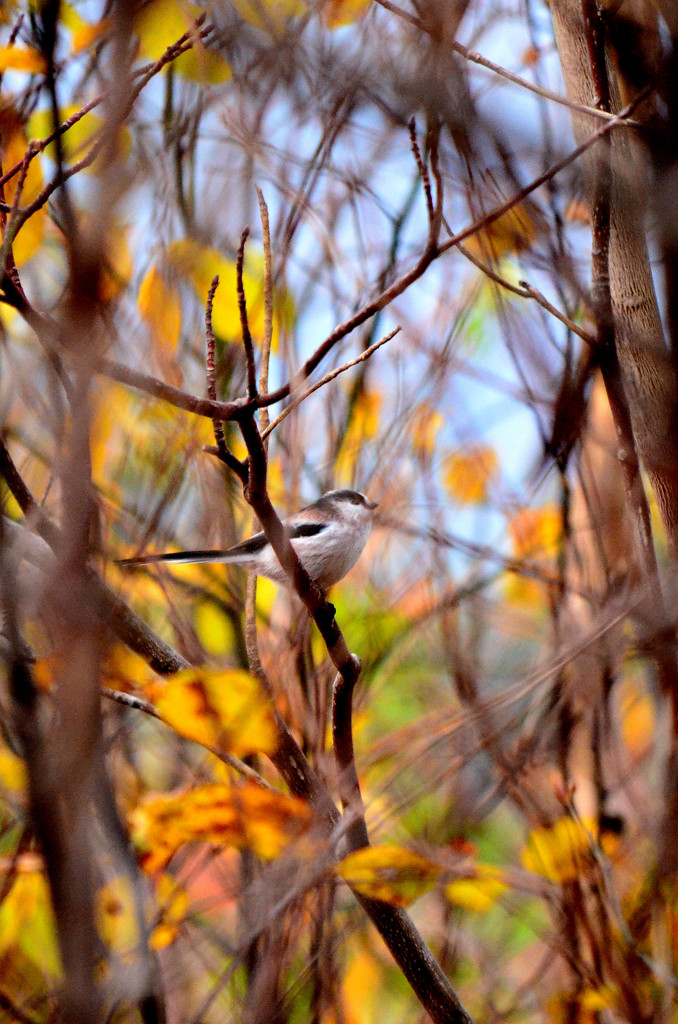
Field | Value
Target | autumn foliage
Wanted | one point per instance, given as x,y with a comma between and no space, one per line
252,252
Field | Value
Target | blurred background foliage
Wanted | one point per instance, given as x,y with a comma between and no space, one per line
510,738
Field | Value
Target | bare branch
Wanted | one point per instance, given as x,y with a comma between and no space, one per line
524,83
264,418
298,399
244,324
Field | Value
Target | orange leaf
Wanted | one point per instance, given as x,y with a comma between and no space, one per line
14,58
426,424
87,34
247,817
536,532
363,427
344,12
467,474
160,307
578,211
638,722
13,145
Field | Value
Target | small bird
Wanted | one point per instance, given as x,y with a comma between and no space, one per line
328,535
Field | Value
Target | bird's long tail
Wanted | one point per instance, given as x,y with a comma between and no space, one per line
179,558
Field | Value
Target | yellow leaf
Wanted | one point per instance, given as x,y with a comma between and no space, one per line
560,852
524,591
161,22
270,15
468,474
247,817
14,58
597,999
224,709
363,427
173,899
115,916
30,237
76,140
425,427
513,232
214,629
160,306
13,144
267,593
390,873
344,12
12,772
114,412
26,918
536,532
270,819
123,669
479,893
199,263
69,18
204,66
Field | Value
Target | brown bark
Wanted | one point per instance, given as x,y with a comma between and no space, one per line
647,369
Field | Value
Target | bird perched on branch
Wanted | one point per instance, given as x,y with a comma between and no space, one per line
327,535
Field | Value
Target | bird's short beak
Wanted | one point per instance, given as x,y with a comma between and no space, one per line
371,504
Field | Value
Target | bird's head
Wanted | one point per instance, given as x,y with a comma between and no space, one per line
343,505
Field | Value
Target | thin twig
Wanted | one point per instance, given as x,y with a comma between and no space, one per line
524,83
499,211
40,145
174,396
532,293
264,418
433,251
186,42
298,399
211,365
244,324
14,221
129,700
436,217
527,291
423,170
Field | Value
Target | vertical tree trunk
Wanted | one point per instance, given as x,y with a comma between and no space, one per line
647,369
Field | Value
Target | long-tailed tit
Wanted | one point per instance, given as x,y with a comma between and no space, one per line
328,536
